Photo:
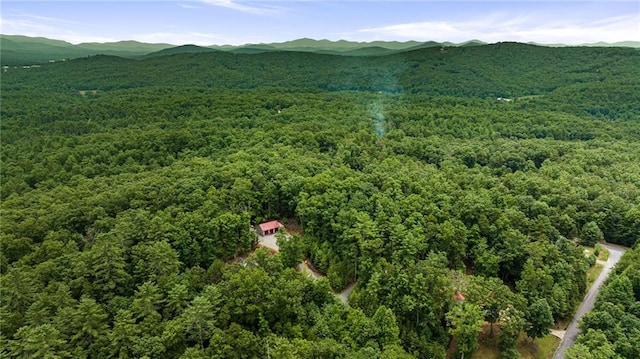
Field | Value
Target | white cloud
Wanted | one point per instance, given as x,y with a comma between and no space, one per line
178,38
195,38
27,27
234,5
505,27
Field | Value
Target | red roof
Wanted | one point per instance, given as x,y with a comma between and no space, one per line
267,226
459,296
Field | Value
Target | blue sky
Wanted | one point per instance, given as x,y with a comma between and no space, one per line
209,22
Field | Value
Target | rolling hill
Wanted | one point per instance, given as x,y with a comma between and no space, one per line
184,49
443,186
23,50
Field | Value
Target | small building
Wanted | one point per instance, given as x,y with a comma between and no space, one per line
268,228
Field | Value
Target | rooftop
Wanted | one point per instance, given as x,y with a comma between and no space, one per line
266,226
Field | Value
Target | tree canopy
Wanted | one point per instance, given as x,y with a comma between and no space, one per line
129,188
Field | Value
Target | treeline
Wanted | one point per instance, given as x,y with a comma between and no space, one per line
612,328
125,212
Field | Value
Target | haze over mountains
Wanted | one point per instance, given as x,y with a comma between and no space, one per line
24,50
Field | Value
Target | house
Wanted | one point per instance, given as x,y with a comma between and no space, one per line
267,228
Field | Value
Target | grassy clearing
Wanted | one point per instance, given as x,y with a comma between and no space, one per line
594,271
487,345
588,251
604,254
592,275
529,97
541,348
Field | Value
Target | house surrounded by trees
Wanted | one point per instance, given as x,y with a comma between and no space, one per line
268,228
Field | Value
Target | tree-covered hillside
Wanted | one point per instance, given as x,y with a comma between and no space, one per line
599,81
129,188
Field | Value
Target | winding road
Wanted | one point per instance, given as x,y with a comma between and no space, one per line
270,242
615,253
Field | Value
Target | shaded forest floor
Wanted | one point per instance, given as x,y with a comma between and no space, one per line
541,348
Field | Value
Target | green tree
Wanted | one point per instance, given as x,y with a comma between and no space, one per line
452,239
512,322
591,234
177,299
591,345
122,337
535,282
387,327
291,249
89,322
18,291
146,300
198,320
465,322
618,291
104,268
539,319
42,341
154,261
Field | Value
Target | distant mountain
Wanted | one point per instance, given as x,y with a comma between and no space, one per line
311,45
426,45
35,41
124,46
252,49
369,51
24,50
184,49
222,47
634,44
348,48
472,43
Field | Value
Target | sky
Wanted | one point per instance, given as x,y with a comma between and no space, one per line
237,22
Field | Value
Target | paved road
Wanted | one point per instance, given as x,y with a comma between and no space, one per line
615,252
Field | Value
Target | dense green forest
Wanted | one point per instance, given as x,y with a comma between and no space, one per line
612,329
129,188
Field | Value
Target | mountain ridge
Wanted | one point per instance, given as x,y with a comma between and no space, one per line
26,50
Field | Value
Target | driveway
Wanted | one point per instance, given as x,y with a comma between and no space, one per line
615,252
344,295
309,270
269,242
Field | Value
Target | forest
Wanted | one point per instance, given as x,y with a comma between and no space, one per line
129,189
